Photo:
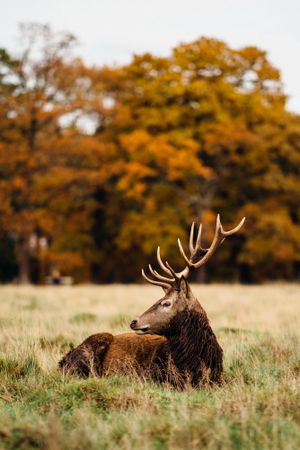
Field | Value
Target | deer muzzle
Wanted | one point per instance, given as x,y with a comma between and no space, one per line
139,328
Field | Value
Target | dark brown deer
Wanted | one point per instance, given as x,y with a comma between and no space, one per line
173,340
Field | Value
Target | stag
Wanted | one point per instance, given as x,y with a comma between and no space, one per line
173,340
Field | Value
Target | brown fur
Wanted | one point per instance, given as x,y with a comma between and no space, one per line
175,343
193,349
104,354
185,350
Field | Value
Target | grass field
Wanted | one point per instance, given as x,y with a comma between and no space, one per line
257,407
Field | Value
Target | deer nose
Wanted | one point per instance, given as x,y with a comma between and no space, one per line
133,324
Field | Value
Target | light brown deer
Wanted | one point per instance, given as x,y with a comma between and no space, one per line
173,340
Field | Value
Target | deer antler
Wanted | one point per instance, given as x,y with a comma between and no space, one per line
198,256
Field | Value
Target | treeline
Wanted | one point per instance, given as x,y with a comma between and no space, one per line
99,165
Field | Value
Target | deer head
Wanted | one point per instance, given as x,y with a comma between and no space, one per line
178,295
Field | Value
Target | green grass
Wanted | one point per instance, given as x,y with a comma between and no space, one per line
257,406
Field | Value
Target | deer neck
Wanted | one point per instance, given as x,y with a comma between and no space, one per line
189,325
192,344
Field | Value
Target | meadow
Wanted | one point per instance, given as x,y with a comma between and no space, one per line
256,407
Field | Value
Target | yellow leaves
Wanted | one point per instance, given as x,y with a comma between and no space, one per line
180,160
18,183
66,262
172,155
154,159
203,53
135,142
271,234
256,60
130,183
229,142
148,229
199,131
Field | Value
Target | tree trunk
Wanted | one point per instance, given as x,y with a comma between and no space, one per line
23,256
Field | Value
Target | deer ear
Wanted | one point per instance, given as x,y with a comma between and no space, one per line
184,287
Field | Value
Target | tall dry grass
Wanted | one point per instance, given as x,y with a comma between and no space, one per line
257,407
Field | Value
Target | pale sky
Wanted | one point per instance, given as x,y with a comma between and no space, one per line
110,31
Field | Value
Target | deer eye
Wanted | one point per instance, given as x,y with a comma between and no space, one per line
166,304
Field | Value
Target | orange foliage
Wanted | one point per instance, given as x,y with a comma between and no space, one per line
172,139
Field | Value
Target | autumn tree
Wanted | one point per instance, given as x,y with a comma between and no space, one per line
115,160
48,166
205,112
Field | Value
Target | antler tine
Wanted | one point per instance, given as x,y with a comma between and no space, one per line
159,276
157,283
193,249
171,270
219,237
160,280
234,230
162,265
191,242
184,273
183,253
198,241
